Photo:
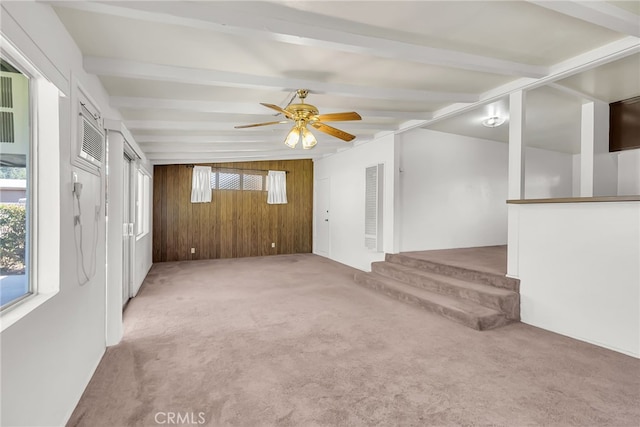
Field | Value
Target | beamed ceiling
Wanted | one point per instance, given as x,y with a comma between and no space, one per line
183,74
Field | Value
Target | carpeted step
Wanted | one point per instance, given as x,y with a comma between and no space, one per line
454,271
503,300
462,311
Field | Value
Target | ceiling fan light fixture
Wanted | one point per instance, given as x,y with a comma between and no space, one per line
293,138
308,140
303,114
493,121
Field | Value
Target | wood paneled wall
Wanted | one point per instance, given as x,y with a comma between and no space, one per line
236,223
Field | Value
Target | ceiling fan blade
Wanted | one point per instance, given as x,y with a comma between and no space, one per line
333,131
338,117
260,124
279,110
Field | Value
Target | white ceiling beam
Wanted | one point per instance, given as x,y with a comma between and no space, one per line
602,55
216,140
228,108
215,126
178,158
136,103
240,148
599,13
141,70
138,125
573,92
309,30
198,139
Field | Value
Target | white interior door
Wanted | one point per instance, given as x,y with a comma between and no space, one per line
323,226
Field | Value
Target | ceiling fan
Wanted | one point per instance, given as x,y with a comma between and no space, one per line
306,114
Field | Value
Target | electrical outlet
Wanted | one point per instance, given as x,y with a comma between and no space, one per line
193,250
273,245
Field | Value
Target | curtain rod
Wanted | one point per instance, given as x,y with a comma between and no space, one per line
240,169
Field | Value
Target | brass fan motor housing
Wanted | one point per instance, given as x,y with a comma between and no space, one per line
302,112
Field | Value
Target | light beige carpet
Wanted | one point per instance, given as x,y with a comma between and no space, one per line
291,340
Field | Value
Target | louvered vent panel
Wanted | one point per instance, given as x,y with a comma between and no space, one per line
371,204
92,143
7,134
373,207
7,131
6,92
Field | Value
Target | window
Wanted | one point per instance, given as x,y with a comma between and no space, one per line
30,186
142,204
236,179
15,200
252,182
228,181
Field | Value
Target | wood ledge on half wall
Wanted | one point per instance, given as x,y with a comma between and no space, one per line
577,200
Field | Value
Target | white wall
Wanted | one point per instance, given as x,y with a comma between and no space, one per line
629,173
346,201
453,188
453,191
48,356
548,174
579,266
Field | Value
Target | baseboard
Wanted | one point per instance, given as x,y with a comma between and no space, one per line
86,383
635,355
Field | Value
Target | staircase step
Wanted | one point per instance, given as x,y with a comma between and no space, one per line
503,300
455,271
462,311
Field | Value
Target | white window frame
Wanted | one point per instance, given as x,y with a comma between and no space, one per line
143,203
43,253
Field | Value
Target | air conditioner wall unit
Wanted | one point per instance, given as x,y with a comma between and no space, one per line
90,140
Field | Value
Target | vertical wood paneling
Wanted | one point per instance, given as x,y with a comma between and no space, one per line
235,223
159,212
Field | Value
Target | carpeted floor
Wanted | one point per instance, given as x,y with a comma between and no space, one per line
490,259
291,341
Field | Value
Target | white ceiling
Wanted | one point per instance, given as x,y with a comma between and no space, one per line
183,74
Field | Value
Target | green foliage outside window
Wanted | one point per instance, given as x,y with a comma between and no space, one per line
7,172
13,235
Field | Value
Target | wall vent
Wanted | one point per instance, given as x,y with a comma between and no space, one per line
374,180
6,92
92,148
91,139
7,133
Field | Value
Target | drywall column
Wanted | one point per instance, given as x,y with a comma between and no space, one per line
598,168
516,176
113,323
516,145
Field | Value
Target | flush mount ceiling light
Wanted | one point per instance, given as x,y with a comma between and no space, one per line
493,121
306,114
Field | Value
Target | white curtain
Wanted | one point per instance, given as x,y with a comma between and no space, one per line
277,186
201,184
